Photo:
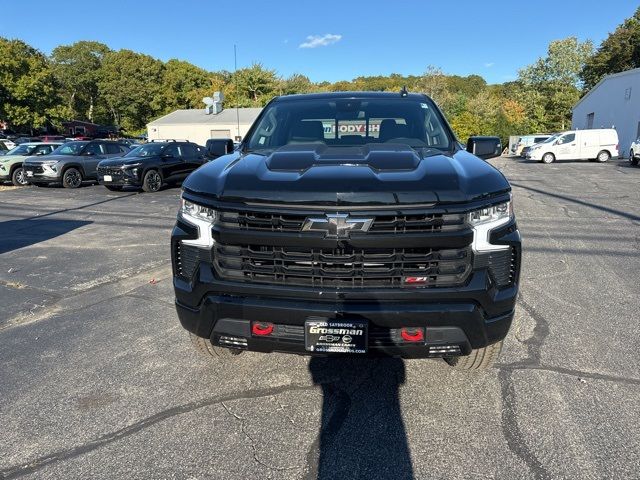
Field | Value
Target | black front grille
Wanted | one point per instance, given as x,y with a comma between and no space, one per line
114,172
34,168
343,267
393,224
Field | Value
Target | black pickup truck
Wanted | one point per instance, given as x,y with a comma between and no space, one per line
349,223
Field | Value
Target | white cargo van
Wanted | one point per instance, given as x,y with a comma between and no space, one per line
596,144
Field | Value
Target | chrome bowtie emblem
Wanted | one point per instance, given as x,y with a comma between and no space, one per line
338,225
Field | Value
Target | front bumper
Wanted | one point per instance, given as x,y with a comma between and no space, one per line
120,177
40,174
455,319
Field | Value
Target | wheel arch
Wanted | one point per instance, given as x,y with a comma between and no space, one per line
72,165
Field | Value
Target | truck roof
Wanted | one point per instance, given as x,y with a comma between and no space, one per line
335,95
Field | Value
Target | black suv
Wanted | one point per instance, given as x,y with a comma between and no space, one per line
150,166
71,163
349,223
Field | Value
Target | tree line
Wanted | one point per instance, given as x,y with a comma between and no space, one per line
89,81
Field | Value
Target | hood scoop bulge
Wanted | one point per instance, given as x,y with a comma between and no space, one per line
381,158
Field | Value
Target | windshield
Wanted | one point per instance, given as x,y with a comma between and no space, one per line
22,150
71,148
146,150
347,122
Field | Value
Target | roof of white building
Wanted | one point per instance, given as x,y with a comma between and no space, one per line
198,116
633,71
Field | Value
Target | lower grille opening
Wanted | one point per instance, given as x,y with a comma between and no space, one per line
187,258
232,342
502,266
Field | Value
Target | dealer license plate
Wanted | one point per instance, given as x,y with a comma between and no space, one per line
107,178
29,173
336,336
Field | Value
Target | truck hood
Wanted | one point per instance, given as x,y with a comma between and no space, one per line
369,175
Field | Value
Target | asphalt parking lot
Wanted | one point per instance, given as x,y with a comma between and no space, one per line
98,380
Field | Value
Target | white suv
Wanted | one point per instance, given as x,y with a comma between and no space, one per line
634,153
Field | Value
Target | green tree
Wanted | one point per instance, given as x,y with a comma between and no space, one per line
131,86
255,84
76,68
553,82
620,51
433,82
28,90
183,85
296,83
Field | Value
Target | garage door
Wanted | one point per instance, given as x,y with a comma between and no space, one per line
220,133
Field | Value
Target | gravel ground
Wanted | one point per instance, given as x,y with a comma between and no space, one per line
98,380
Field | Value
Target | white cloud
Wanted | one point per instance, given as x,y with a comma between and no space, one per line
314,41
489,64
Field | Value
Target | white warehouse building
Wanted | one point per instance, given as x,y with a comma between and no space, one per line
198,125
613,103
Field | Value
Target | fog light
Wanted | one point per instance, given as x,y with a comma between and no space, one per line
262,329
412,334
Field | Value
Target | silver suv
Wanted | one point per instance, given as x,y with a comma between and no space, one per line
72,163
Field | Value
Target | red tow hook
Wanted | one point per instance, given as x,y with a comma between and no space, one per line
262,328
412,334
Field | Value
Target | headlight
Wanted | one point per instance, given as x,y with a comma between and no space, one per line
491,214
487,219
201,217
197,212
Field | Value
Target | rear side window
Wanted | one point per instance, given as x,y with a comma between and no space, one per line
95,148
172,150
189,151
44,149
112,148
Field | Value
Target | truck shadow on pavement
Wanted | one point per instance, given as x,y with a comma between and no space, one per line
15,234
362,434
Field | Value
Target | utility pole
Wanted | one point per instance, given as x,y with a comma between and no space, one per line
235,75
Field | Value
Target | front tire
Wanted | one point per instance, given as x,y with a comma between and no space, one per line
478,359
632,158
18,178
207,349
548,158
72,178
152,181
603,156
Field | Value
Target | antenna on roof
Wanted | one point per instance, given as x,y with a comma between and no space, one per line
235,70
404,92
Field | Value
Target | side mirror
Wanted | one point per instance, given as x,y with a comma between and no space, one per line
217,147
484,147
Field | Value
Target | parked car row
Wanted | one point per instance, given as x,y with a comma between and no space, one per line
112,164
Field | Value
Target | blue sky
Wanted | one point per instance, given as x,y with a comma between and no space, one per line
325,40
